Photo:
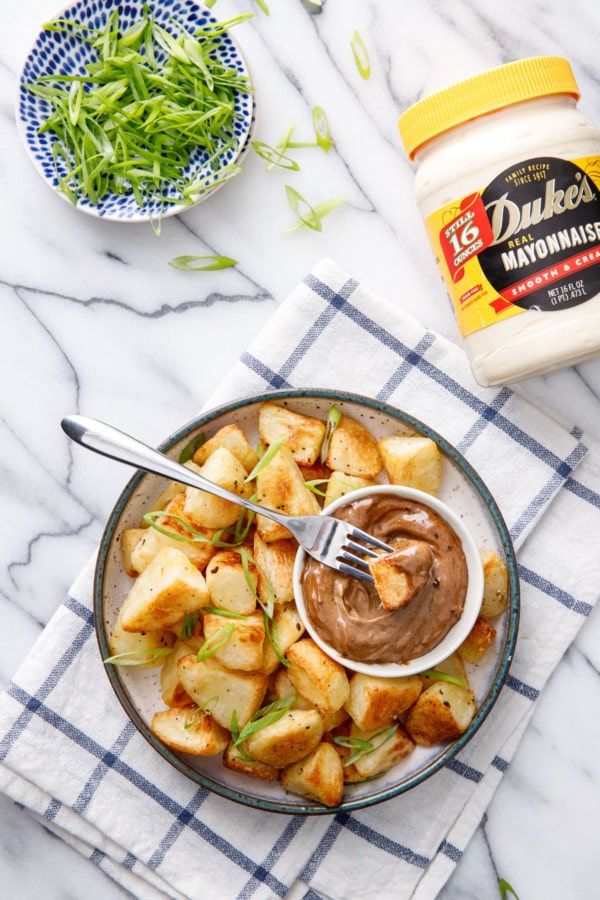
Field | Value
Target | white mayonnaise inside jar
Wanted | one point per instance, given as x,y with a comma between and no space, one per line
508,184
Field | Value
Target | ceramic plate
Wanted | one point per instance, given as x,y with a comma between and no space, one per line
138,688
56,52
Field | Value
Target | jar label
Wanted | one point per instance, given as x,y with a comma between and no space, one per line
529,241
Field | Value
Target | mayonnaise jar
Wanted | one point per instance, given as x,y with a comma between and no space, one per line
508,184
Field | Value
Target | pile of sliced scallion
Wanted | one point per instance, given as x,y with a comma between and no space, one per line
152,98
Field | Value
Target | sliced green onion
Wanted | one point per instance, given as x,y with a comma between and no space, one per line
317,213
274,156
190,448
361,747
321,126
361,55
138,657
334,418
265,716
227,613
193,535
200,712
202,263
215,642
281,146
273,639
304,211
441,676
189,623
506,889
265,459
262,5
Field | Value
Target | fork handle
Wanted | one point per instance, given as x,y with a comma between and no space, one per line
109,441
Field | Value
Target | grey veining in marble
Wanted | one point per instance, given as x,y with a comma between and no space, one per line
94,320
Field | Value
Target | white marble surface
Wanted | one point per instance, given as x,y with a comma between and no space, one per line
95,321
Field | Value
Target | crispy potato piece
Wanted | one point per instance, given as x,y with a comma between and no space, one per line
244,649
166,495
129,538
318,777
353,450
207,511
233,758
413,461
495,590
453,666
473,648
239,691
288,629
386,752
401,575
227,584
204,737
304,434
316,676
169,587
280,486
152,541
375,703
275,560
233,438
333,720
172,691
442,712
283,687
339,484
125,642
288,739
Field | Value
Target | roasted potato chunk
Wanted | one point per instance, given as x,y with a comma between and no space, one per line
386,752
244,649
169,587
283,687
480,638
495,589
234,759
316,676
242,692
339,484
401,575
228,586
319,776
187,732
453,666
126,642
204,509
303,434
290,738
287,628
275,560
172,691
442,712
129,538
280,486
375,703
152,541
233,438
413,461
353,450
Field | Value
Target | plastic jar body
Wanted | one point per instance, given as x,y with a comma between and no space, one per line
530,301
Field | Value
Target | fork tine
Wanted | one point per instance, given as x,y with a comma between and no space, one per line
368,538
355,560
355,573
360,548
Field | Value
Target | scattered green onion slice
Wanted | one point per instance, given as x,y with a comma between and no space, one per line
361,55
506,889
202,263
138,657
361,747
318,213
200,712
274,156
267,715
190,448
227,613
334,418
262,5
321,126
193,535
281,146
265,459
441,676
215,642
304,211
189,623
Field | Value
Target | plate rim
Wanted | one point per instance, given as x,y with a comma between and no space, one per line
447,752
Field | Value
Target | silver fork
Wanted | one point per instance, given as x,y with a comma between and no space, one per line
325,538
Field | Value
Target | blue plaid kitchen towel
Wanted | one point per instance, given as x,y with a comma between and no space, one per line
83,769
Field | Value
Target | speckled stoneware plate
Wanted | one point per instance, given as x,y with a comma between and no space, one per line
138,688
59,53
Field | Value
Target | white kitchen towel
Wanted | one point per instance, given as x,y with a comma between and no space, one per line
69,754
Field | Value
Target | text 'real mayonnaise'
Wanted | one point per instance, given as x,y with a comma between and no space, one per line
508,184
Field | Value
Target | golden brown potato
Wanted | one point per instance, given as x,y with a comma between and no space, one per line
290,738
387,751
167,589
375,703
126,642
207,511
172,691
303,434
283,687
442,712
228,586
480,638
413,461
187,732
452,665
401,575
495,589
275,561
242,692
353,450
198,552
319,776
280,486
288,629
129,538
233,438
316,676
243,650
236,760
339,484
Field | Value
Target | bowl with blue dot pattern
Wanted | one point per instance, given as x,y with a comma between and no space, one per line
64,55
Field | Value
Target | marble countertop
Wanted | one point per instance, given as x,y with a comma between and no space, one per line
94,320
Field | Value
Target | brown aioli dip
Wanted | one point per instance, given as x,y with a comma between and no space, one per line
347,612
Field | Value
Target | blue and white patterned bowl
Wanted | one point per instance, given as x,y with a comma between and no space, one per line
56,52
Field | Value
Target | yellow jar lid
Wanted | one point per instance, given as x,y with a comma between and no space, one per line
503,86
